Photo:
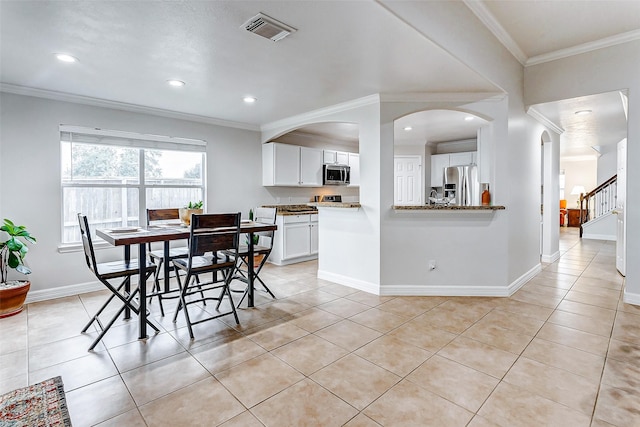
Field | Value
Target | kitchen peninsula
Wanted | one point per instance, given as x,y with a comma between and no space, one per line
439,207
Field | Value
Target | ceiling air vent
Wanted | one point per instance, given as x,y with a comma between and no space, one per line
268,27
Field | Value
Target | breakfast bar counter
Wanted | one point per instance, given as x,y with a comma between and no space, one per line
447,208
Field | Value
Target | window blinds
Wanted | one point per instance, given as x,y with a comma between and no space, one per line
129,139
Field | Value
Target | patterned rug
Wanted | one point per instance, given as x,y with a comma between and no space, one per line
39,405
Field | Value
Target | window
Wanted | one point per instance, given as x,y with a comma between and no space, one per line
113,177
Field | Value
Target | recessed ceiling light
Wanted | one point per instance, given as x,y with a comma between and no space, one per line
583,112
65,57
249,99
468,118
176,83
408,128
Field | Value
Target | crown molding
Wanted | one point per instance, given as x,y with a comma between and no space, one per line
134,108
457,97
544,120
293,121
490,21
584,48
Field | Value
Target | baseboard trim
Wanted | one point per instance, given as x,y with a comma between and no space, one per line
522,280
445,290
550,258
63,291
361,285
293,260
631,298
598,236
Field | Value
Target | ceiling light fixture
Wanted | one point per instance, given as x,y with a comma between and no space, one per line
249,99
66,57
468,118
175,83
583,112
408,128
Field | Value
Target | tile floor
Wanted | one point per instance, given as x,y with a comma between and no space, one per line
564,350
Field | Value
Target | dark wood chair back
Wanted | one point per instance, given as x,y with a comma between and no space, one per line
87,243
213,233
166,214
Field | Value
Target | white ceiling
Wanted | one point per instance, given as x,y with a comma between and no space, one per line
343,50
589,135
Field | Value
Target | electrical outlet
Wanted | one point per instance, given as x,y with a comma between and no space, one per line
289,199
432,264
277,199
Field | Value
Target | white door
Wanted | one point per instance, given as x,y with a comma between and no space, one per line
407,179
621,244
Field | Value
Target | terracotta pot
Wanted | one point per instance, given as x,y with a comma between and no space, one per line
185,214
257,259
12,299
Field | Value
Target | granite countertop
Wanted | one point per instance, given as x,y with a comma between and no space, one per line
285,210
448,208
344,205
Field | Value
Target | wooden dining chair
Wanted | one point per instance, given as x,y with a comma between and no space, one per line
155,217
107,271
261,250
213,248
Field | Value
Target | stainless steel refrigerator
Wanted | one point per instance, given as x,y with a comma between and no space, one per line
461,185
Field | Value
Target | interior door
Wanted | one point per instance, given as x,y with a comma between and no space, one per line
408,180
621,244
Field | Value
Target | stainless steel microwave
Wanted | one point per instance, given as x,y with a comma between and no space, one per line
336,174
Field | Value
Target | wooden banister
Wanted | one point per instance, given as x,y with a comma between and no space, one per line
585,212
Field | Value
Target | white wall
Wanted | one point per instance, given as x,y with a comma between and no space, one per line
453,239
599,71
30,161
349,240
578,172
551,196
516,163
607,163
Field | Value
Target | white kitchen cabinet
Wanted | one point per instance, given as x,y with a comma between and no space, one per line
310,167
441,161
354,167
313,236
485,147
296,239
438,163
291,165
459,159
336,157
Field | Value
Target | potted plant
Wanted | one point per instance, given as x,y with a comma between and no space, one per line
12,253
187,211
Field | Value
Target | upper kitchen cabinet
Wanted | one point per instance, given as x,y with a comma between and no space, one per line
354,166
459,159
438,163
441,161
310,167
291,165
336,157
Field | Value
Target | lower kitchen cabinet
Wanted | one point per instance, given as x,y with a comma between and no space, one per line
296,239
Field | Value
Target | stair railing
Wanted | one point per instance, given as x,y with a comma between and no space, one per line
598,201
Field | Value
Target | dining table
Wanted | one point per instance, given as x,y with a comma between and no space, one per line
142,236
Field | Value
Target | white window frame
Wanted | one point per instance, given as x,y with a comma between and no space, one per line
95,136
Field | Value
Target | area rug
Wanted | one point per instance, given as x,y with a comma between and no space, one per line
38,405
